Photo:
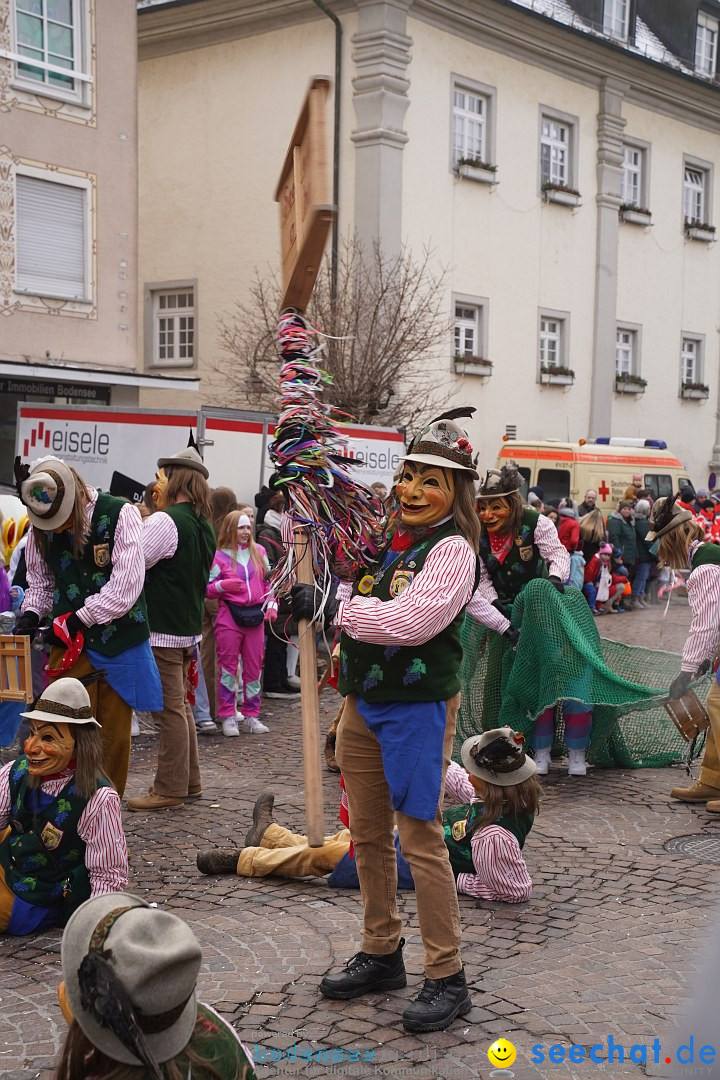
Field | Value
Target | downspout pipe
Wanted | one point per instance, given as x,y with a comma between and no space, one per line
336,147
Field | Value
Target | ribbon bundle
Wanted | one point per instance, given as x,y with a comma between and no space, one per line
338,515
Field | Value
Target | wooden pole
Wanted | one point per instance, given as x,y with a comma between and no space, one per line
314,807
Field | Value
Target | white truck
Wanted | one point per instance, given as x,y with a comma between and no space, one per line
103,441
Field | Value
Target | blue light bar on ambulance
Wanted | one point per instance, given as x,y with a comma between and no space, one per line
652,444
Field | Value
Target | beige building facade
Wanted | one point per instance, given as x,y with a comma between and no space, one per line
68,207
559,158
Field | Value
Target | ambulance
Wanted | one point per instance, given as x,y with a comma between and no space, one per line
606,465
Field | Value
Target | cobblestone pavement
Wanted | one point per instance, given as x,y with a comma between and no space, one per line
603,947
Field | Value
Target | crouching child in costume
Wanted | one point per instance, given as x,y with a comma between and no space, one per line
85,569
485,834
178,545
62,835
129,997
678,541
517,546
400,656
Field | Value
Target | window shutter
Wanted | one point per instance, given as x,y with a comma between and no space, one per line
50,224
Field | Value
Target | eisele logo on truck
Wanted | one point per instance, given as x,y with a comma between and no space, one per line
65,440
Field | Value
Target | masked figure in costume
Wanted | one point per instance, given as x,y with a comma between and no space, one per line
517,546
61,831
399,661
179,547
85,568
680,545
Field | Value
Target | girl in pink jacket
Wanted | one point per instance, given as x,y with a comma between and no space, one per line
238,580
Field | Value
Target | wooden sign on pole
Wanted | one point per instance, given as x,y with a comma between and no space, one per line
303,193
15,669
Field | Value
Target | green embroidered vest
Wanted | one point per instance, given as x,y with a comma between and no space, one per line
175,587
42,855
706,554
460,851
76,579
522,563
427,672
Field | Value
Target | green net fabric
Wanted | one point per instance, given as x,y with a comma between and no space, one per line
561,656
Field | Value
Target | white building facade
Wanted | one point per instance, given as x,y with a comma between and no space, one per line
560,159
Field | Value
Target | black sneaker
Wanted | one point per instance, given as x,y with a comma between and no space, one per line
365,973
439,1002
284,690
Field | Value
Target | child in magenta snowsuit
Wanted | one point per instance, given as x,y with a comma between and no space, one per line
238,580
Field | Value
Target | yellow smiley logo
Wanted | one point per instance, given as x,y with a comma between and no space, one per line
501,1054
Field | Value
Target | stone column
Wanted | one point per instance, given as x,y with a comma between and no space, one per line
381,52
609,175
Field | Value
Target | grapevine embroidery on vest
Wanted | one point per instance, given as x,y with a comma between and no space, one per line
373,677
414,672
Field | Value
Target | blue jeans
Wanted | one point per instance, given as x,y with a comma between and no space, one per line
642,573
201,708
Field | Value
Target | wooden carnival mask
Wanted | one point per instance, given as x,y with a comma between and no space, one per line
49,748
426,494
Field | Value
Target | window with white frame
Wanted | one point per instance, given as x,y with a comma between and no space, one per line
51,237
633,179
706,42
616,18
625,351
468,330
691,360
470,126
695,194
555,160
552,342
49,38
174,327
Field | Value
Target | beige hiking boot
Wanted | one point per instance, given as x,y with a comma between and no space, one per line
697,792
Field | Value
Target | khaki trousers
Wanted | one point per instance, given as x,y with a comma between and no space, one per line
111,712
372,819
286,853
178,767
710,769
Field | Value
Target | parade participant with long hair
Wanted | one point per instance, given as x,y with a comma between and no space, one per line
178,544
238,581
678,541
400,656
85,569
129,996
62,835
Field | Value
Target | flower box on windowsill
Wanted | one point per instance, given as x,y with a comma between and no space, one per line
695,391
480,171
557,376
635,215
700,230
559,193
630,384
472,365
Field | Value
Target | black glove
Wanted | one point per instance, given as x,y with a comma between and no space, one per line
704,668
305,601
679,685
26,624
502,608
512,634
74,624
557,583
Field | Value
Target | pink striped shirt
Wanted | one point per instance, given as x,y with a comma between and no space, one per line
100,827
703,590
500,870
127,576
430,602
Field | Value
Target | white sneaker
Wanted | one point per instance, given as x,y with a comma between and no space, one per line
576,763
134,726
230,727
542,761
252,726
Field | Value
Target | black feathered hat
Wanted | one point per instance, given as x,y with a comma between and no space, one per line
444,443
501,482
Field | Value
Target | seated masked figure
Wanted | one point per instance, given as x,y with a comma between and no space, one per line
61,834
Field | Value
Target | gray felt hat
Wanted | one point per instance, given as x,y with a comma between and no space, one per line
498,757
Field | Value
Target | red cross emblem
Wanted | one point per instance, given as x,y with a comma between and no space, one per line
604,490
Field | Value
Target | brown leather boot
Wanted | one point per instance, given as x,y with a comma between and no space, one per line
697,792
262,817
217,861
713,807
